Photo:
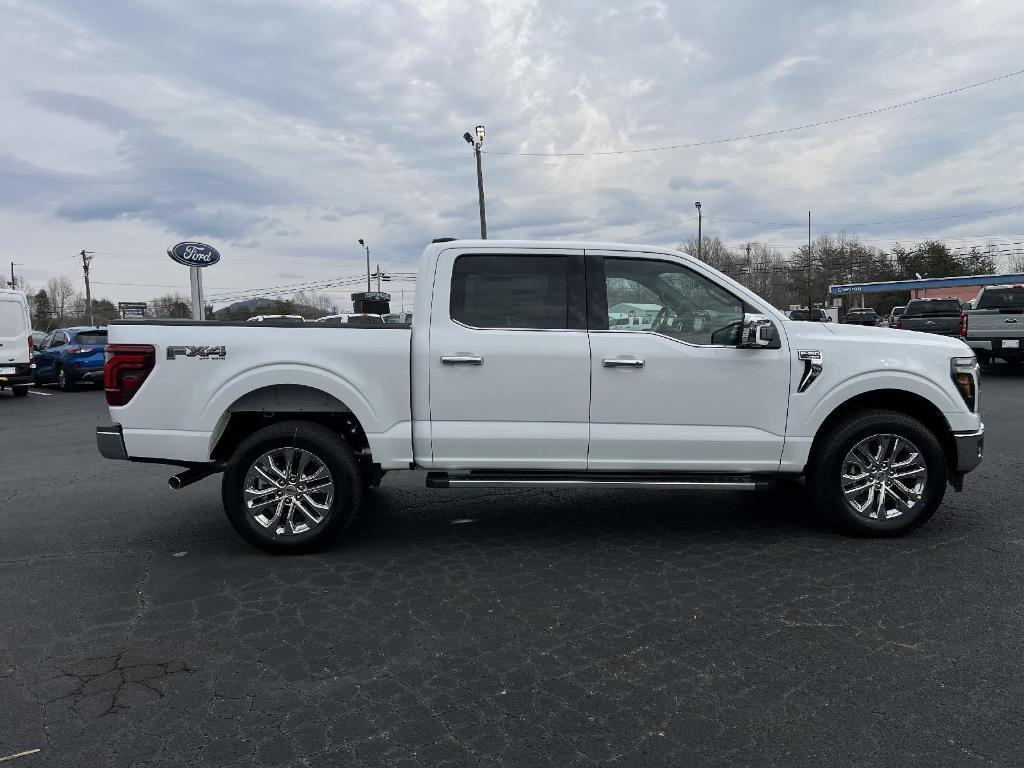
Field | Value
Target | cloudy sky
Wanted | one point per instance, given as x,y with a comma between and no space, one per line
283,132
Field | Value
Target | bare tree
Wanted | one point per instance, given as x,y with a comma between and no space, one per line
171,305
1017,261
62,297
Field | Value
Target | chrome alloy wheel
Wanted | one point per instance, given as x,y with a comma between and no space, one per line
884,476
288,491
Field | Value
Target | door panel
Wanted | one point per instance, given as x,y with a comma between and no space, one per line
509,397
696,403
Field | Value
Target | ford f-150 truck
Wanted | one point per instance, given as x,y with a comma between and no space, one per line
993,326
512,376
941,316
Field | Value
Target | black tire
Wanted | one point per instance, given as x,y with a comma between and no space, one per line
328,448
825,470
62,380
19,390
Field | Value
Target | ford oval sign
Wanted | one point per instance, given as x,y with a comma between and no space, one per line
194,254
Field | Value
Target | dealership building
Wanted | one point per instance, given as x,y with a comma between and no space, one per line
963,288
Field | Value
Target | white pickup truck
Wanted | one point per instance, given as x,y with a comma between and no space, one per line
512,376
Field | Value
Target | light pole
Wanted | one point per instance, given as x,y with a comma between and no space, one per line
476,143
809,293
368,288
700,235
86,258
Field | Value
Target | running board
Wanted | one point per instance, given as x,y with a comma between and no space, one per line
605,479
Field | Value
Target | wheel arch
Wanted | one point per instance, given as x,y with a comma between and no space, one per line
275,403
900,400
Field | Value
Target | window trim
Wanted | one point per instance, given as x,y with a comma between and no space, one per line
597,295
575,292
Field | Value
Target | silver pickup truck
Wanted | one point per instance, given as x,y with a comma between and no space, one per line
993,324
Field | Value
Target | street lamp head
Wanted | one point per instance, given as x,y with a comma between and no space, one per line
480,132
361,241
468,137
697,204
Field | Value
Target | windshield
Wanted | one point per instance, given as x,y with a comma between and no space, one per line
932,307
91,337
996,298
897,311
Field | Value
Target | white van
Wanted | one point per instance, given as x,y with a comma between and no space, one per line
15,343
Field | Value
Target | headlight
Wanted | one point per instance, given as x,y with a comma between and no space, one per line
964,371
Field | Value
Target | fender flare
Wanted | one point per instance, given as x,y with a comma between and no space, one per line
876,380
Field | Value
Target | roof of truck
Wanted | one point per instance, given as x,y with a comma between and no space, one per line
559,244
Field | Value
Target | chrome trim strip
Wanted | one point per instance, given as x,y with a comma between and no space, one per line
812,367
555,483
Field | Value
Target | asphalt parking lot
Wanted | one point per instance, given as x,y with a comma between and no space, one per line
483,628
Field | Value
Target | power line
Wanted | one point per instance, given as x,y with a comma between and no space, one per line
762,134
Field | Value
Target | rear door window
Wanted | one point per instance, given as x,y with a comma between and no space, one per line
12,318
91,337
511,291
937,307
997,298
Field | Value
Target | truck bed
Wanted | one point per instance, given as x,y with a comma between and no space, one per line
206,370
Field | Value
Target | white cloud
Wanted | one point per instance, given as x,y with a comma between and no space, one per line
284,132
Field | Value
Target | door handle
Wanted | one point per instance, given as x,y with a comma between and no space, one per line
621,362
461,360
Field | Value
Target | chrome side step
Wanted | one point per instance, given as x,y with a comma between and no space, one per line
605,479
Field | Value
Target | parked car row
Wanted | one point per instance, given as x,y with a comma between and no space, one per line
354,318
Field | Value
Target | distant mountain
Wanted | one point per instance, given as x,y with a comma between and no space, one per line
248,305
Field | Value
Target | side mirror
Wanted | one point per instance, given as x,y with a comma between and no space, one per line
758,333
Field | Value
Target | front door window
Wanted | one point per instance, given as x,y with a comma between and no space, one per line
666,298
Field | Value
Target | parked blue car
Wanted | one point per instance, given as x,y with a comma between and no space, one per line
70,356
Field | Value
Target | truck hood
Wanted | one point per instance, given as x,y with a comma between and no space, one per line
883,341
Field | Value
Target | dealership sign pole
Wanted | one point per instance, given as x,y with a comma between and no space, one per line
195,256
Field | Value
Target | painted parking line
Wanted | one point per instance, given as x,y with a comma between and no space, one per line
19,754
41,394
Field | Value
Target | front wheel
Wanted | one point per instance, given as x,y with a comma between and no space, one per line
19,390
291,487
878,473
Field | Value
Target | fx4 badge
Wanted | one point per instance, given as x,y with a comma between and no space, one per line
203,353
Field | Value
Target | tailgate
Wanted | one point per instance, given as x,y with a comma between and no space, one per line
949,326
995,324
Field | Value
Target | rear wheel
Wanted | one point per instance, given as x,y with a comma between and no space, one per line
20,390
291,487
878,473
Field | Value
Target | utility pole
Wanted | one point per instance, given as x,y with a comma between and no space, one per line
368,288
809,294
700,234
378,278
13,284
86,258
476,143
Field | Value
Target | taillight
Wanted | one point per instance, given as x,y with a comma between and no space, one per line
31,347
899,322
963,326
125,367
